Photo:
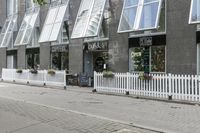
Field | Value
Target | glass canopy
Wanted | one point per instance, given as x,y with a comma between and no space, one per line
7,30
53,23
89,18
27,26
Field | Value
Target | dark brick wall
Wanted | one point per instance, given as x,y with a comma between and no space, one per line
181,38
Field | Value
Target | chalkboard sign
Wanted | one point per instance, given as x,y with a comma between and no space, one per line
83,80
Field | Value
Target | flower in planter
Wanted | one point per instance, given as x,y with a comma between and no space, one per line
33,71
19,71
108,74
145,76
51,72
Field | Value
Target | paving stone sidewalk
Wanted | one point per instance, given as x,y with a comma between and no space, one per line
42,119
162,116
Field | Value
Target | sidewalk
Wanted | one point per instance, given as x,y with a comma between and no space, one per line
161,116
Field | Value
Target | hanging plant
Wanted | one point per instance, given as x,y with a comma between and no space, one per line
33,71
145,76
108,74
19,71
51,72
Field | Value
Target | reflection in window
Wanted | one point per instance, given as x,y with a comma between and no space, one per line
195,12
136,59
158,59
141,57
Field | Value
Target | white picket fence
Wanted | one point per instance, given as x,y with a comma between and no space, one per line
41,78
179,87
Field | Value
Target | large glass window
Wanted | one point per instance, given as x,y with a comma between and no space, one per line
29,4
140,15
89,18
147,59
53,23
12,7
27,26
195,12
7,31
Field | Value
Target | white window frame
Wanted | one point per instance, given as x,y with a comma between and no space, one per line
83,34
138,16
190,17
31,14
50,38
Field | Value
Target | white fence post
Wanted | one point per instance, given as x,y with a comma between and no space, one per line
65,85
170,86
95,82
127,83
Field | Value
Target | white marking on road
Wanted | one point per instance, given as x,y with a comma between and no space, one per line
87,114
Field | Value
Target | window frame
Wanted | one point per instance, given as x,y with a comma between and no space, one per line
138,16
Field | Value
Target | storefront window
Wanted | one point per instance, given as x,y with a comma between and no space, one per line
11,61
60,61
136,59
147,59
33,61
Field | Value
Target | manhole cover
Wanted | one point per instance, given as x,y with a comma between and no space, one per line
124,131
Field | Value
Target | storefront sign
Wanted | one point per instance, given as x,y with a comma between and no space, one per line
146,41
59,49
98,46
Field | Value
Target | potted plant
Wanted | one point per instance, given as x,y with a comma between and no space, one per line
145,76
19,71
51,72
33,71
108,74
